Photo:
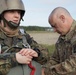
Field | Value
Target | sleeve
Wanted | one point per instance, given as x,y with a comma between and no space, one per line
64,68
51,62
68,67
42,51
7,60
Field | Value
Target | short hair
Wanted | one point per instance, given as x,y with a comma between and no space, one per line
60,10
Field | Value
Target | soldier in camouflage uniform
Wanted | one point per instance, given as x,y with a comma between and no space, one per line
63,60
16,46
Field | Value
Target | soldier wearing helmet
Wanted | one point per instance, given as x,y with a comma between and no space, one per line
6,5
19,53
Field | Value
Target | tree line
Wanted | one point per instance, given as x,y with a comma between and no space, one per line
35,28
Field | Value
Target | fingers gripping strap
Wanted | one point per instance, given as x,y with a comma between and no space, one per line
33,69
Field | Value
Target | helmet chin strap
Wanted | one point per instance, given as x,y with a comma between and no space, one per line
11,24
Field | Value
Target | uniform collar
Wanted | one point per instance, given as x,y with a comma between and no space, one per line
4,36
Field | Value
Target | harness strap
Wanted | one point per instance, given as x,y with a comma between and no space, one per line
26,45
33,69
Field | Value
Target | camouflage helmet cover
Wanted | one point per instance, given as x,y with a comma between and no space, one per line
6,5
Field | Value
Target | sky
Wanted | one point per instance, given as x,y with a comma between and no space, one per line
38,11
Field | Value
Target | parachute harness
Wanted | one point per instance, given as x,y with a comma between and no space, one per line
26,45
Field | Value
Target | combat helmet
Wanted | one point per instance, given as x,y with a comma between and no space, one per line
6,5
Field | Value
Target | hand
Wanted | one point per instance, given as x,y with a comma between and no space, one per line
27,51
23,59
43,71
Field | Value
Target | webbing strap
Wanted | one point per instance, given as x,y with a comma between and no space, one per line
33,69
26,45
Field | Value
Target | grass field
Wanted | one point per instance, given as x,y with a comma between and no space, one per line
47,39
44,37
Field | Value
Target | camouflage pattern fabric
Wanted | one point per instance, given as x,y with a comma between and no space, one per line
63,60
14,44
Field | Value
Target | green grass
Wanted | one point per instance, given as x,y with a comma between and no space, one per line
50,48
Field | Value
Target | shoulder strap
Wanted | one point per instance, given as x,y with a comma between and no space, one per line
25,43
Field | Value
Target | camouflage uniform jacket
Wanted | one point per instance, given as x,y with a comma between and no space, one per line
10,45
63,60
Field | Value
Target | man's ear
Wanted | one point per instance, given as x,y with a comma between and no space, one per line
62,18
